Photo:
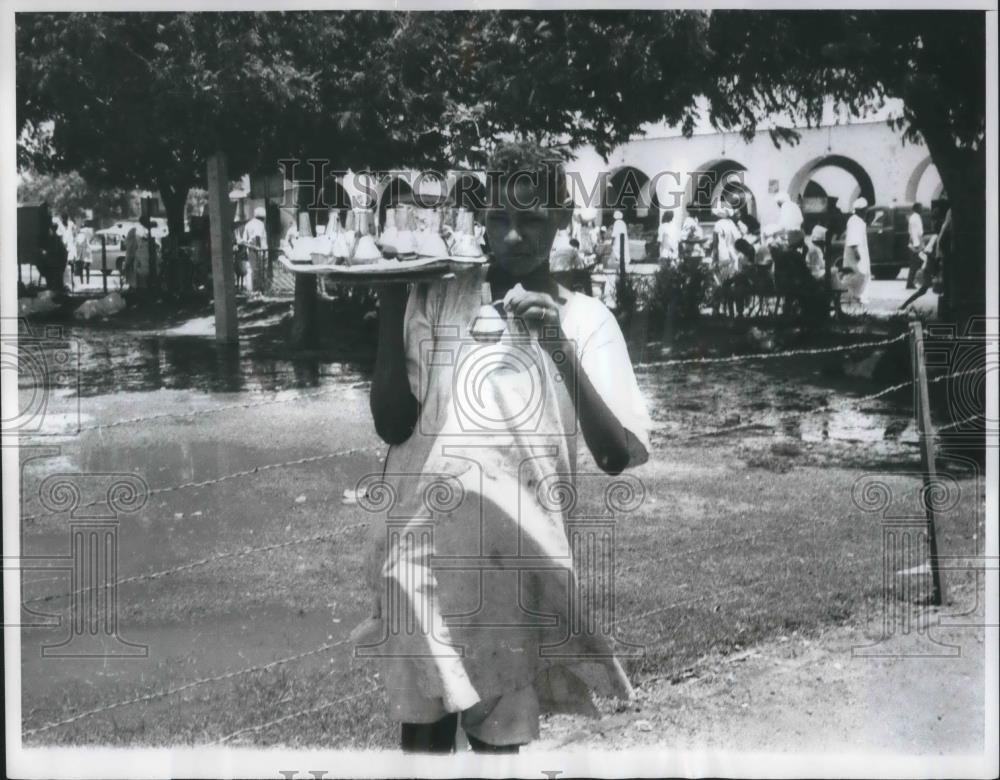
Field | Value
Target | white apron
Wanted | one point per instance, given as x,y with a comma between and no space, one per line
472,569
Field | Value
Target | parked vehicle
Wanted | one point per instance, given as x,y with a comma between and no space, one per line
116,233
158,228
888,238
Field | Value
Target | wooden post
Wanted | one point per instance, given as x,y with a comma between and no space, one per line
272,218
927,456
147,211
223,286
304,310
306,304
104,262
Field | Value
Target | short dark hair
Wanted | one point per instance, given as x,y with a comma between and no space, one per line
668,216
917,207
545,166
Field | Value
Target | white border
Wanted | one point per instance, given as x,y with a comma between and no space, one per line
241,762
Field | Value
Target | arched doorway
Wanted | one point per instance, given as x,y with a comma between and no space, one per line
924,185
825,189
716,183
627,190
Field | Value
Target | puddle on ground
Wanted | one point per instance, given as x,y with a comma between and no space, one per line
791,398
812,399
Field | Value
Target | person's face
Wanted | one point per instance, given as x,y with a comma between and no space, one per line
519,227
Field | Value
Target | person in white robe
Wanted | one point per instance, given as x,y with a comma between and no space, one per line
486,386
619,231
857,264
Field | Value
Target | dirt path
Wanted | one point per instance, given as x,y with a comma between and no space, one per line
796,694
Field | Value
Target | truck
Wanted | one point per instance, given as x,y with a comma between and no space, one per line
888,238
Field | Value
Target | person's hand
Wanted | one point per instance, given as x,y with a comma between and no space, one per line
532,307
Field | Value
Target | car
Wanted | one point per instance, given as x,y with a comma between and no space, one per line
158,227
116,233
888,238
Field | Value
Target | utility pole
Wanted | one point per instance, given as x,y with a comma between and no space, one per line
223,285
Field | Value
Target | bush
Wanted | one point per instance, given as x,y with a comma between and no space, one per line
626,297
681,290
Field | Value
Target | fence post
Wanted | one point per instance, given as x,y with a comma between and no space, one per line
221,227
104,261
927,455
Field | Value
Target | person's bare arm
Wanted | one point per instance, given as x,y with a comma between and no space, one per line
393,406
606,438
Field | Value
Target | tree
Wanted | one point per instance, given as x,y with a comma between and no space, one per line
139,100
69,193
567,78
142,99
933,61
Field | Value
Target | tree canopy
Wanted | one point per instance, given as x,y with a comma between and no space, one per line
793,63
141,99
144,97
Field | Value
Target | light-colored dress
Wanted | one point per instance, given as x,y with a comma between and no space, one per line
619,228
477,608
790,216
856,259
666,235
726,236
137,259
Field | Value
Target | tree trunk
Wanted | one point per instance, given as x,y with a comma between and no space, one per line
963,300
963,173
174,200
964,272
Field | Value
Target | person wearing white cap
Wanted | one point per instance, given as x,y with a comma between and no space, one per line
857,266
139,253
619,230
255,237
789,215
815,258
724,250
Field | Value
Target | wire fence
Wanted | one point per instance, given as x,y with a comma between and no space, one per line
225,555
773,355
175,416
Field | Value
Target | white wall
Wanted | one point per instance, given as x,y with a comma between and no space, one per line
889,162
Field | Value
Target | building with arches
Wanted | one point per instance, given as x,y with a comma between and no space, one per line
830,167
